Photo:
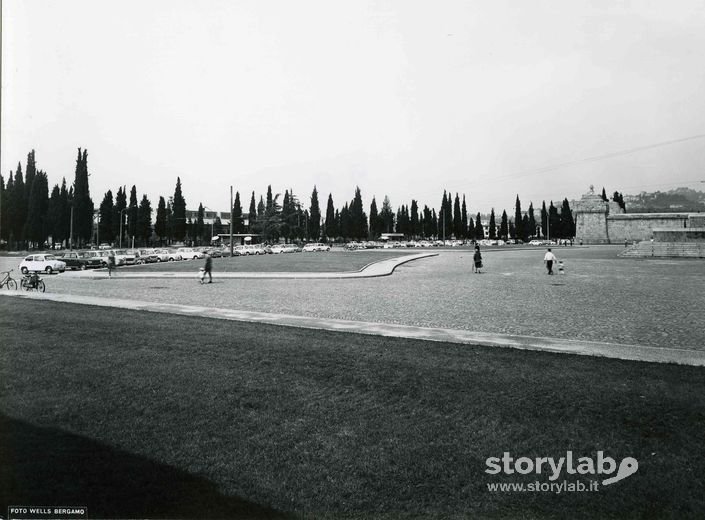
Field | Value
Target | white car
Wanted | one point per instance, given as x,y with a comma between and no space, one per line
309,248
189,253
123,257
43,262
278,249
102,255
166,255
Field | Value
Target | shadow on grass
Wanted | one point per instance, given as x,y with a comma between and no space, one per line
43,466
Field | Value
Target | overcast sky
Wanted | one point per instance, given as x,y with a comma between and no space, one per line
404,98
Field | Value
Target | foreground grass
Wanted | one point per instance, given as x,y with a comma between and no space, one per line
338,261
148,415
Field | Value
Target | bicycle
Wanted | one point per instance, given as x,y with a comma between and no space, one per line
32,282
8,281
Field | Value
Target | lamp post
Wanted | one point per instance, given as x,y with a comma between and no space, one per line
212,224
71,229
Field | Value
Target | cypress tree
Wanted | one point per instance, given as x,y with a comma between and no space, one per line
9,211
178,208
479,229
427,228
345,223
374,220
567,224
414,228
160,226
132,213
386,216
315,215
457,219
464,220
144,220
358,217
82,203
544,220
554,221
493,226
604,195
19,206
531,232
287,210
3,209
236,215
471,229
118,213
252,215
518,224
199,227
37,224
525,227
105,223
434,223
504,226
331,221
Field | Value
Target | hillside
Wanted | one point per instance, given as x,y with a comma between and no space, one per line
679,199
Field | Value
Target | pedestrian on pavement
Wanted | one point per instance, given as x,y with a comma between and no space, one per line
477,260
548,259
111,263
208,268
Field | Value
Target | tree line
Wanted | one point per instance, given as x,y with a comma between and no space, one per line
31,217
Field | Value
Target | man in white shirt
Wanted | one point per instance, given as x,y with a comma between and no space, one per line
548,259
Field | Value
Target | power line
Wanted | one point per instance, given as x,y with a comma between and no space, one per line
600,157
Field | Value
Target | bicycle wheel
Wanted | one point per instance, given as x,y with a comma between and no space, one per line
11,284
40,286
26,285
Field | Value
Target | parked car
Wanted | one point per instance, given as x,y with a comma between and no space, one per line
189,253
250,249
42,262
80,260
148,256
317,246
101,255
167,255
278,249
123,257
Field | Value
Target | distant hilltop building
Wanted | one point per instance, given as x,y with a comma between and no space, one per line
604,222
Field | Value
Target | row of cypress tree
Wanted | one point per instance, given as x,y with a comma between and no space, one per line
30,217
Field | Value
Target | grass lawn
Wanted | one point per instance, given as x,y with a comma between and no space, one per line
147,415
292,262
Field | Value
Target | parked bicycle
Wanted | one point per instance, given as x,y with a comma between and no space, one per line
32,282
7,280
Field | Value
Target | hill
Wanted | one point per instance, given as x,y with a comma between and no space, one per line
679,199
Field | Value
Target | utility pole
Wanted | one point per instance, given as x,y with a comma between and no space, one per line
231,221
71,229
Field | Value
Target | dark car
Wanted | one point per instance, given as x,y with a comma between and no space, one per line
80,260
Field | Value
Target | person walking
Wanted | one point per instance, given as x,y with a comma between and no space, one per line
209,267
111,263
548,259
477,260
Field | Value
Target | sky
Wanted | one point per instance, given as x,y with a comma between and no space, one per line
404,98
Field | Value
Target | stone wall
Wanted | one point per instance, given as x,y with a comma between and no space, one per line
696,221
640,226
680,235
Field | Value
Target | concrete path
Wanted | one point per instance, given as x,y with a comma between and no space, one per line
470,338
380,268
